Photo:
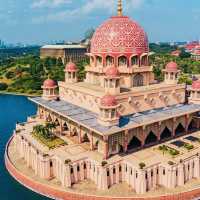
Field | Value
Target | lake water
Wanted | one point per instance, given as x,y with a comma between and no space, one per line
13,109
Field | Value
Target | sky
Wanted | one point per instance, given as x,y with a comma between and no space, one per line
42,21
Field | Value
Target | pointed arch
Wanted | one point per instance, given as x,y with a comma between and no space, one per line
151,138
74,132
65,127
166,133
192,126
57,122
134,143
134,60
109,60
179,130
96,146
122,61
86,138
49,118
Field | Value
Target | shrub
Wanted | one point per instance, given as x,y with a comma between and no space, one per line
173,152
188,146
68,161
142,165
103,163
170,163
3,86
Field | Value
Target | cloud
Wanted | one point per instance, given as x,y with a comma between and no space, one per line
87,8
49,3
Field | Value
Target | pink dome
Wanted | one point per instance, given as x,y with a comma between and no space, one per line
71,67
49,83
112,72
108,101
171,66
196,85
121,35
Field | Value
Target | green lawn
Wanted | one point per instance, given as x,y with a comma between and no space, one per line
50,143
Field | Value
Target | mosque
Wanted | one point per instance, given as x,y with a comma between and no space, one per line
119,124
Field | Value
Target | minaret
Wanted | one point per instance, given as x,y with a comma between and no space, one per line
120,9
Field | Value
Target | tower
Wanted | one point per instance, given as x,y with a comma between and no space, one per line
108,115
171,73
71,73
49,89
195,92
112,81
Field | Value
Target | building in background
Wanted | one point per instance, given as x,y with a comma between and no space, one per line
67,52
195,54
176,53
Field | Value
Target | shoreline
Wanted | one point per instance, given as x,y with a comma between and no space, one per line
18,94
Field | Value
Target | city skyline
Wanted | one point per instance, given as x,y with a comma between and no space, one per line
40,21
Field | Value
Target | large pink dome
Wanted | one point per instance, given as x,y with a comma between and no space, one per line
120,34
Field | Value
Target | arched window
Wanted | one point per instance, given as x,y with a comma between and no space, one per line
99,61
138,80
134,60
144,60
109,60
122,61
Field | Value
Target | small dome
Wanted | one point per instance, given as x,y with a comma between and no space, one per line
196,85
112,72
171,66
108,101
49,83
71,67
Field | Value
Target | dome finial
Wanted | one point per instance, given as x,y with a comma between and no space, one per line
120,9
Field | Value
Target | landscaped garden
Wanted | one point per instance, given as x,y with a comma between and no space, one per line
44,134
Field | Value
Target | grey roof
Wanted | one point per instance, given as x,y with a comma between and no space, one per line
89,119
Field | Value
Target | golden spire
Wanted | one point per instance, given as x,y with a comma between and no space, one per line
120,9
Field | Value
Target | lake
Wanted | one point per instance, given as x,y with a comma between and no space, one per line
13,109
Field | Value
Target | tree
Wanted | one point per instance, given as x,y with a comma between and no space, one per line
3,86
89,33
184,54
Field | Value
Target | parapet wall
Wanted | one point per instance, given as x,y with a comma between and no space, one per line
54,193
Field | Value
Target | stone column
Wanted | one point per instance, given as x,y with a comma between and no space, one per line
106,147
173,127
196,167
104,178
181,175
141,186
80,135
67,176
125,141
81,171
117,173
91,142
186,123
45,167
